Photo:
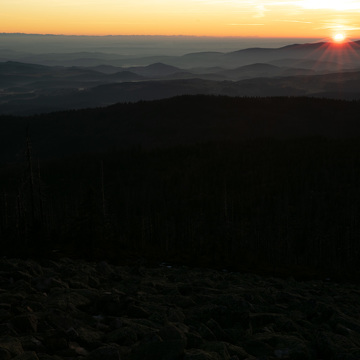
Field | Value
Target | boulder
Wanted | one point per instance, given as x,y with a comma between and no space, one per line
112,304
5,354
43,356
4,315
217,330
124,336
194,340
258,348
287,346
159,350
217,347
137,312
31,343
174,314
105,353
55,342
12,345
45,284
89,338
263,319
79,350
28,355
197,354
237,351
170,332
206,333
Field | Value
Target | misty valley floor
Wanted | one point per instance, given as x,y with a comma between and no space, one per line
70,309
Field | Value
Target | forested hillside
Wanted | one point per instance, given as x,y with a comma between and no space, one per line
267,185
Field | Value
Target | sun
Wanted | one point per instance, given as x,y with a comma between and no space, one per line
339,37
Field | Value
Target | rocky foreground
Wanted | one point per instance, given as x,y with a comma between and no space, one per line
77,310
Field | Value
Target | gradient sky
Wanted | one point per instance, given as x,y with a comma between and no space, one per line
267,18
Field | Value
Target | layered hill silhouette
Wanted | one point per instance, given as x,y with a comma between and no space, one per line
32,75
22,101
318,69
183,120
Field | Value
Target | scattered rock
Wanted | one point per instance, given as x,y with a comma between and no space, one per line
73,309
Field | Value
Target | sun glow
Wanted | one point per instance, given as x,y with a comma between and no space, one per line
339,37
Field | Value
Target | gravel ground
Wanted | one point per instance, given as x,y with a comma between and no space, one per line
69,309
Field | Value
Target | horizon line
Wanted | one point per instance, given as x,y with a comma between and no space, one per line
162,35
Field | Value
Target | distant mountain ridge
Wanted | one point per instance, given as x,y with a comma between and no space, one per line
343,85
324,50
310,69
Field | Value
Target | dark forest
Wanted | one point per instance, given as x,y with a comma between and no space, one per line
266,185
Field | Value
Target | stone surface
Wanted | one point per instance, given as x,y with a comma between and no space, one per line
11,345
105,353
5,354
28,355
70,309
25,323
196,354
159,350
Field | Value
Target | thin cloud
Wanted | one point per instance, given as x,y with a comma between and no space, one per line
295,21
260,11
334,25
245,24
342,5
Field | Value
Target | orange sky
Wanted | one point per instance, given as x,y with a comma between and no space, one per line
267,18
